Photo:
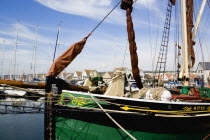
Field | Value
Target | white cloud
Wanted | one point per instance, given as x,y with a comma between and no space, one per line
145,2
94,9
88,8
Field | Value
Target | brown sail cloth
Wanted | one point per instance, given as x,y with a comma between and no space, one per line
190,42
133,49
66,58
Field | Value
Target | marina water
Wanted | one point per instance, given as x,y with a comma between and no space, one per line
22,127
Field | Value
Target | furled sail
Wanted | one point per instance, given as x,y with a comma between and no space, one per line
66,58
173,2
190,42
127,5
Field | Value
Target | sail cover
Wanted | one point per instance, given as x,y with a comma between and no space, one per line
66,58
133,49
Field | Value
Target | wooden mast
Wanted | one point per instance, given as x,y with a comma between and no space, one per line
188,37
184,74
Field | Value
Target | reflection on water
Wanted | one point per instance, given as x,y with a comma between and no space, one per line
21,105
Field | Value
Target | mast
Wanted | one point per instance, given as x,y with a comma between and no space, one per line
190,42
35,50
16,45
57,40
184,74
2,69
59,43
10,70
198,19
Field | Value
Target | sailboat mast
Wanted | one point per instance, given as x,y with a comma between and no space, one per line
10,70
58,43
184,72
199,19
16,45
57,39
2,69
35,50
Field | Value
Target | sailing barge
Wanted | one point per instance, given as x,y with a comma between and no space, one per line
104,112
108,112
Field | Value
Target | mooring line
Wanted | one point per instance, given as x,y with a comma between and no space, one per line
206,137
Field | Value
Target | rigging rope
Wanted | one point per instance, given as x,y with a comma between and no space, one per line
157,35
150,36
105,17
125,54
206,137
202,37
205,29
113,119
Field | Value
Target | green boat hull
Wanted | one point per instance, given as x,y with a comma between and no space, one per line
71,129
78,117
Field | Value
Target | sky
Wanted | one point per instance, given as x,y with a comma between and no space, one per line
106,48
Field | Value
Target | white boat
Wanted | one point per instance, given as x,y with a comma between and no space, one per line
15,92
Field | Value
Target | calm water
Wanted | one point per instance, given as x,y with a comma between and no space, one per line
22,127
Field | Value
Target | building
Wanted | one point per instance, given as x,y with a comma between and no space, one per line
203,71
65,76
89,73
77,75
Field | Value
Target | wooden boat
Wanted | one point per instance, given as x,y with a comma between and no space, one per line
114,114
101,113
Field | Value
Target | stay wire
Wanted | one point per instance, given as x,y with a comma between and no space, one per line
202,37
197,50
105,17
157,35
206,24
175,40
150,36
124,54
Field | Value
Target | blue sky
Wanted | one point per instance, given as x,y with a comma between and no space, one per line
104,50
